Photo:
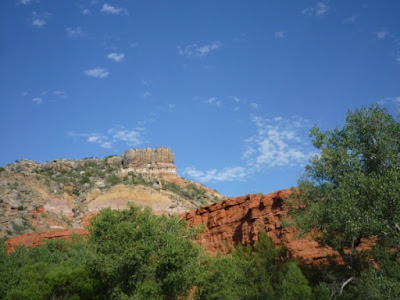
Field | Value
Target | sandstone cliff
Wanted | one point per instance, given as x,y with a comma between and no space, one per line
239,221
155,162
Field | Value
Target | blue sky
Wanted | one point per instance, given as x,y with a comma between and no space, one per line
232,87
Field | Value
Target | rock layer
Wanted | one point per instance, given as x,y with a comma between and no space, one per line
153,162
239,221
37,238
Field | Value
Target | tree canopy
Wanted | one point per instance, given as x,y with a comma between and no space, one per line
351,189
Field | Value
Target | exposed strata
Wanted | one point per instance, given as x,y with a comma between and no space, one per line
36,239
239,221
152,162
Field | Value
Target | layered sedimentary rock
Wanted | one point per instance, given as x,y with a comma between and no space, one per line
239,221
153,162
37,238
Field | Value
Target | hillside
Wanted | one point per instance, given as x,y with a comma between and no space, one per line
65,193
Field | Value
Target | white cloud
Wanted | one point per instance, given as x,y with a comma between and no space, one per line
74,32
117,57
86,12
146,95
59,93
112,10
25,2
280,35
236,99
214,101
171,107
146,82
39,23
277,143
106,145
39,20
194,50
318,10
381,34
391,103
254,105
226,174
350,19
37,100
241,38
97,73
113,137
130,137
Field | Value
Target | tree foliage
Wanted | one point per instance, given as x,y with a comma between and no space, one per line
352,188
143,256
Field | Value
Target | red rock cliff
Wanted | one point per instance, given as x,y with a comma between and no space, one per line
228,223
239,220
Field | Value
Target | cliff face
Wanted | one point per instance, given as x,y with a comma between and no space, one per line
154,162
239,221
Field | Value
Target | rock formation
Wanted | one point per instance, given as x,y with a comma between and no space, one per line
36,239
228,223
239,221
60,194
153,162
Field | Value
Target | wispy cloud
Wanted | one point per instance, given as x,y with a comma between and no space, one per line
241,38
171,107
280,35
86,12
117,57
112,10
213,101
37,100
277,143
97,73
47,96
24,2
60,93
113,136
226,174
392,103
381,34
146,82
146,95
319,9
194,50
39,20
254,105
351,19
76,32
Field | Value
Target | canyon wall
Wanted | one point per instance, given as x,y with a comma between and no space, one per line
153,162
239,221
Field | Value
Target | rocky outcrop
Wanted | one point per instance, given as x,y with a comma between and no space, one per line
239,221
153,162
37,238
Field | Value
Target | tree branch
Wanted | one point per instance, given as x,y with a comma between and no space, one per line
344,284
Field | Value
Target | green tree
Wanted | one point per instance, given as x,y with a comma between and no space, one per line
143,256
294,285
352,188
